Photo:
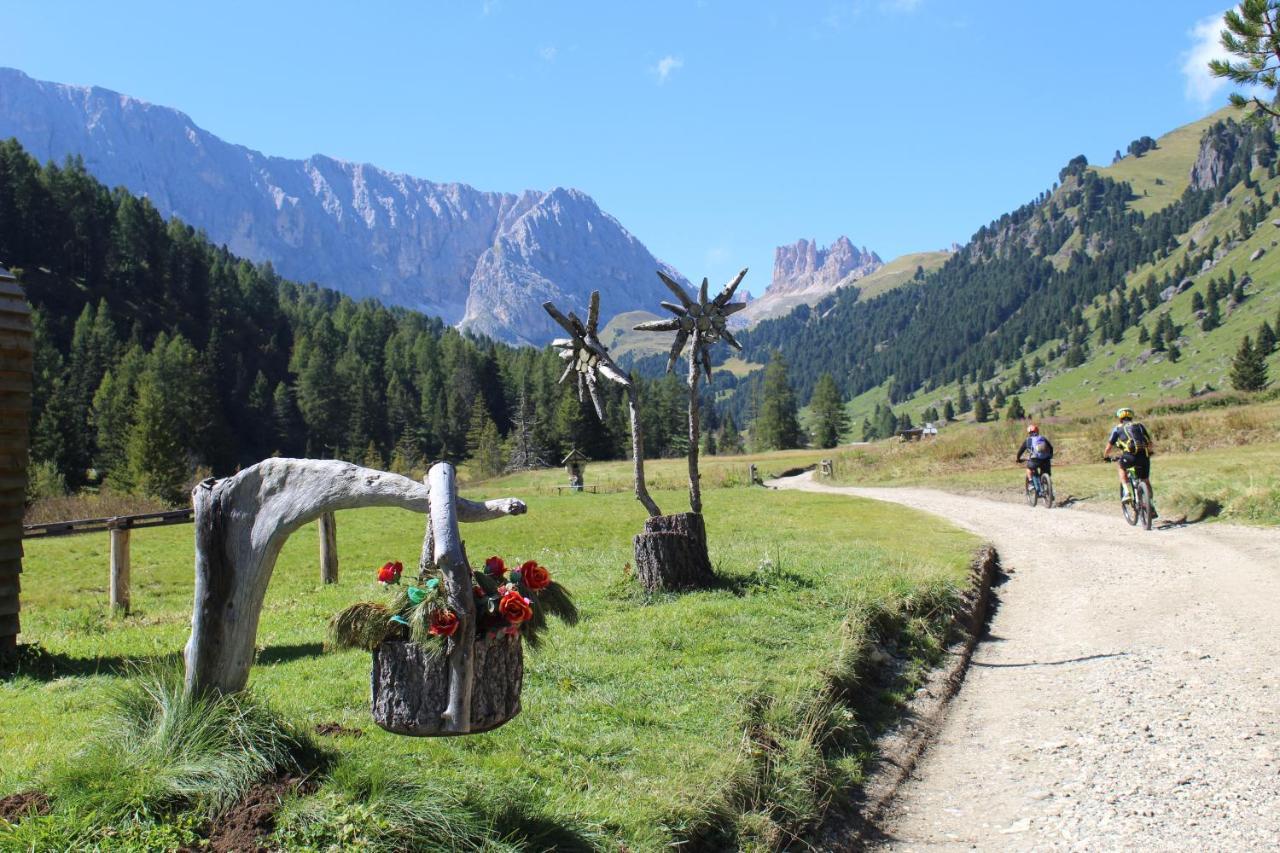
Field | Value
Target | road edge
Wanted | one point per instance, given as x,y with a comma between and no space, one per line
899,750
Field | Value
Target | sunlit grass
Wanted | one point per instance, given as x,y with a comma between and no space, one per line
633,723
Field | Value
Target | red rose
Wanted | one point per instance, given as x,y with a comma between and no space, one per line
535,576
443,623
495,566
515,608
390,572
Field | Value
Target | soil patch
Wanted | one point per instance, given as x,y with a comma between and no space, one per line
254,817
337,730
15,807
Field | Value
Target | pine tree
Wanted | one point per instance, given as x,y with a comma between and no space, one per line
1143,335
526,451
1016,412
168,410
1174,352
831,421
1249,370
981,410
484,444
1197,302
1266,339
777,426
730,438
1212,317
948,411
963,403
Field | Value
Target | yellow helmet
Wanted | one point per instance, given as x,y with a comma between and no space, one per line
1124,412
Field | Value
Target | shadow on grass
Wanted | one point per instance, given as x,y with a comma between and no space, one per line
35,662
533,832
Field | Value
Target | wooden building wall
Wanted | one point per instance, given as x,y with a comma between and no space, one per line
15,409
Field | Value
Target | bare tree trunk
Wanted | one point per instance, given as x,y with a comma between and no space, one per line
637,452
671,553
328,526
410,687
695,487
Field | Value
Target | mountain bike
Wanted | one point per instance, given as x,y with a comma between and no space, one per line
1040,488
1138,509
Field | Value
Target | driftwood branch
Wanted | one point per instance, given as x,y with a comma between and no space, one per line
241,524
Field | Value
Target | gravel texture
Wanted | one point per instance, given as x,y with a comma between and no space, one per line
1127,698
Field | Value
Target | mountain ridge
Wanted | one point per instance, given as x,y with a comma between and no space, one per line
483,260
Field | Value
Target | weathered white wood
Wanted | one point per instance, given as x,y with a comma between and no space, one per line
449,558
119,586
637,452
695,485
328,548
242,522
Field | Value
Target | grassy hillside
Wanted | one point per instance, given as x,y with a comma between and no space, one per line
898,271
1129,372
655,721
1159,176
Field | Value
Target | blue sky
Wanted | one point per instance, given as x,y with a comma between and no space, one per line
713,130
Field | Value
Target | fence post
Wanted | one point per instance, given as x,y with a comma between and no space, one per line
328,548
119,528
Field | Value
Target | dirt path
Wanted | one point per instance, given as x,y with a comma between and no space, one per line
1128,697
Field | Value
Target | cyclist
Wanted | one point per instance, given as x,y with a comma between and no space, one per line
1039,453
1135,446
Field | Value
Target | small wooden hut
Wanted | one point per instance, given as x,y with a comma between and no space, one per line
574,464
15,412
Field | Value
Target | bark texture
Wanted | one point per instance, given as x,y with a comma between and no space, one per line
411,687
671,553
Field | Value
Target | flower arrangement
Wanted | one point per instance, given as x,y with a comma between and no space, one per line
508,600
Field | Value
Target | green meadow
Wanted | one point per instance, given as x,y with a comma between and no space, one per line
727,717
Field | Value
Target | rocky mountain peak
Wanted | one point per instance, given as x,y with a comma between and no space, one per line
483,260
803,267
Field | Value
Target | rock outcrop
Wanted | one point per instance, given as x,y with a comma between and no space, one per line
483,260
803,273
1217,151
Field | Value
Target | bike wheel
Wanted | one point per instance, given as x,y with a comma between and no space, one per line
1031,493
1046,486
1144,505
1129,509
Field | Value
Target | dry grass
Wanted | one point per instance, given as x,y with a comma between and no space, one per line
102,504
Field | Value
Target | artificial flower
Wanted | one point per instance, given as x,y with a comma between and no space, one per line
390,572
443,623
534,576
514,607
495,566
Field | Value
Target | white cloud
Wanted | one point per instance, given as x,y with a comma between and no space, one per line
667,66
1202,86
548,53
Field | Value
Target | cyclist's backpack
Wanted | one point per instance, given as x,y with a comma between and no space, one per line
1133,438
1039,447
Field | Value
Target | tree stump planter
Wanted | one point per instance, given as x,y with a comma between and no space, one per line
671,553
411,687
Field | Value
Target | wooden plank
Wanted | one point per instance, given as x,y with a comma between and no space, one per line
9,586
10,549
9,287
9,606
9,626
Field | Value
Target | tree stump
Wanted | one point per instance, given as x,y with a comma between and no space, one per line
671,553
411,687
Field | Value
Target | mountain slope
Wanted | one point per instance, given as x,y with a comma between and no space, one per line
485,260
1059,286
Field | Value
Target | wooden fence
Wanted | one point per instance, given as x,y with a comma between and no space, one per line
15,415
121,528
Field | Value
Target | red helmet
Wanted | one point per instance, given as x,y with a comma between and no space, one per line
1032,428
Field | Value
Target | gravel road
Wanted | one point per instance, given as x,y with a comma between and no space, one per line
1127,698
